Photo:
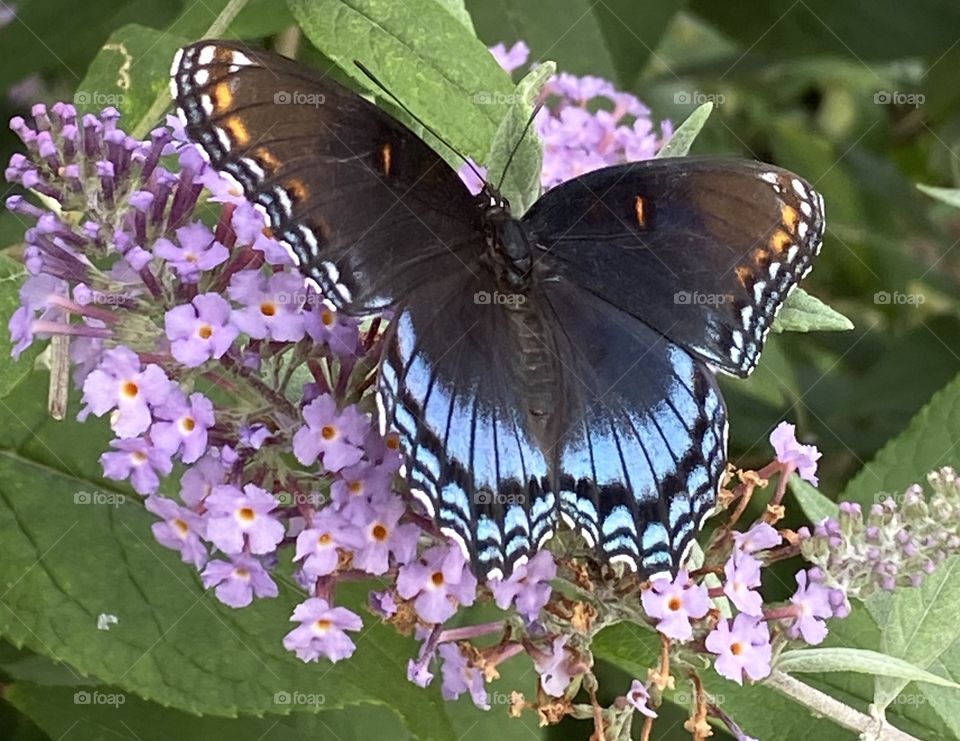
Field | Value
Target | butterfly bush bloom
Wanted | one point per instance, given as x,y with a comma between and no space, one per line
198,343
673,602
789,452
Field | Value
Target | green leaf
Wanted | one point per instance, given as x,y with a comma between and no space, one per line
12,276
522,183
98,712
615,39
950,196
805,313
811,660
815,505
130,72
929,442
64,562
424,55
682,139
759,710
458,10
918,625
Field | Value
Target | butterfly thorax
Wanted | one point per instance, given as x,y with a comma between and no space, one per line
508,250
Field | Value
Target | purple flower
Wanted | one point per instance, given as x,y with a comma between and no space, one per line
250,229
139,460
201,478
182,424
528,586
238,581
758,538
120,382
273,307
200,330
321,631
639,697
472,175
744,649
789,452
512,58
382,535
459,677
361,484
674,603
197,251
335,435
382,604
438,582
742,573
326,327
38,295
555,668
812,602
235,516
180,530
317,545
418,672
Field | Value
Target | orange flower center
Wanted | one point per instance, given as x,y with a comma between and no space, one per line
205,332
129,389
327,318
138,456
355,487
437,578
674,604
241,573
324,539
188,424
246,514
323,625
181,527
328,432
393,442
268,308
380,533
736,649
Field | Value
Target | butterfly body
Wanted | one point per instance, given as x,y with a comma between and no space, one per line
555,367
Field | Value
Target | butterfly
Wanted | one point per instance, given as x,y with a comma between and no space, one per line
559,367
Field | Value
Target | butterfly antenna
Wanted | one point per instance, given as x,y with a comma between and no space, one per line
516,146
415,117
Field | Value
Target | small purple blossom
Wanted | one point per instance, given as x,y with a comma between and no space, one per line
438,582
181,529
272,307
742,572
528,587
789,452
760,537
236,518
512,58
200,330
741,650
459,677
137,459
317,545
181,425
337,436
121,382
322,631
555,667
201,478
812,602
382,535
639,697
196,252
673,603
237,582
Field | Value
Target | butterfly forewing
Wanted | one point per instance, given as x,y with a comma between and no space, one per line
703,250
362,202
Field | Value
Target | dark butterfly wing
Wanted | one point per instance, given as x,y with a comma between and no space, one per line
368,210
458,381
644,442
704,251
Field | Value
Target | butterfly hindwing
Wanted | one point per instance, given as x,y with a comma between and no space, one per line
703,250
644,444
338,178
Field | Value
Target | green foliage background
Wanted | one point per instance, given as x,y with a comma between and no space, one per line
860,97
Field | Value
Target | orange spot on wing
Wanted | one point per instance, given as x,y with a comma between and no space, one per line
790,218
747,276
297,190
265,159
237,130
222,97
638,206
780,241
386,158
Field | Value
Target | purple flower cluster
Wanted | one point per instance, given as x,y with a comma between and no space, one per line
585,124
898,543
